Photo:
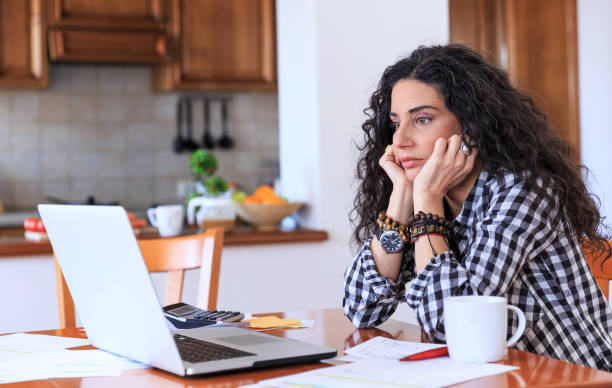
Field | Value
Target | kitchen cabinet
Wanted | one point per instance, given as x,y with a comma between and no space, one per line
537,43
220,45
131,31
23,63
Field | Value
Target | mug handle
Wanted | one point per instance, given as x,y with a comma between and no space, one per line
152,216
521,325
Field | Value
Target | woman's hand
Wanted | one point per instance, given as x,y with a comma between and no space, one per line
391,165
447,166
400,202
400,208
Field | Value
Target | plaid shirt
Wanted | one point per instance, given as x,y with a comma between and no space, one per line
510,241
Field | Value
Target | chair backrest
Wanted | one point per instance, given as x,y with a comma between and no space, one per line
601,269
173,255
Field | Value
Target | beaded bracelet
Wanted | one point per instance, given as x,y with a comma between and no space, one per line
427,224
419,228
421,216
388,223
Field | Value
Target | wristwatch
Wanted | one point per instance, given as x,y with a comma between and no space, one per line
390,240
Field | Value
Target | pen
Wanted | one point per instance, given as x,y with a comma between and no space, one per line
432,353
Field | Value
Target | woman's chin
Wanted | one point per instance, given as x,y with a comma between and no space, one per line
411,173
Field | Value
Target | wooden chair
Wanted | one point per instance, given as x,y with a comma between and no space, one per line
173,255
601,269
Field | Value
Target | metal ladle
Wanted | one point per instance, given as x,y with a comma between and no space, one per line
178,144
190,143
207,139
226,141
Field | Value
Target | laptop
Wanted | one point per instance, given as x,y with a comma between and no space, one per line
117,304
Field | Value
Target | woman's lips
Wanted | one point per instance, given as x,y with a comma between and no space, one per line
410,162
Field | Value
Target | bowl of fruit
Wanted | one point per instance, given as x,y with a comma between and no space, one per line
264,209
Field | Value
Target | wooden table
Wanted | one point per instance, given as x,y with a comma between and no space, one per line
333,329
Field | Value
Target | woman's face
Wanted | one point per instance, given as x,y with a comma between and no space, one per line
420,117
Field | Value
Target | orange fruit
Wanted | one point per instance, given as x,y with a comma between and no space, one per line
263,191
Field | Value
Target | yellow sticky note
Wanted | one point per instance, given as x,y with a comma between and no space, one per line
272,321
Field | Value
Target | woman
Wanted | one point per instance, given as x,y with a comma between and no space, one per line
467,147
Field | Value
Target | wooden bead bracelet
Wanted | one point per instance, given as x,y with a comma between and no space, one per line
421,228
426,224
389,223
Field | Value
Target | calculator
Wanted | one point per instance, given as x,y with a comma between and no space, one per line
186,316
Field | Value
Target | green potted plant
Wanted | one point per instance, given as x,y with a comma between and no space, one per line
203,165
208,206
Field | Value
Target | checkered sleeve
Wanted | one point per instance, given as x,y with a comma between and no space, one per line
369,298
516,223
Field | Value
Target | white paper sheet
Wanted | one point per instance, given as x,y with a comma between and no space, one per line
436,372
31,343
63,363
96,357
381,348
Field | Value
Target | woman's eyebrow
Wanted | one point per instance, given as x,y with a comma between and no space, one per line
418,108
415,109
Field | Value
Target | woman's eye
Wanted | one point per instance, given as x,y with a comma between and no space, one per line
422,120
395,124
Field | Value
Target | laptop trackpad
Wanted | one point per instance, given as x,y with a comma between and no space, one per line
247,339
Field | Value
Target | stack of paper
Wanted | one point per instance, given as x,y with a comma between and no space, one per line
32,343
381,348
25,357
376,365
438,372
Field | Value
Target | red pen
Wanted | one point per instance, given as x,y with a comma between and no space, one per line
427,354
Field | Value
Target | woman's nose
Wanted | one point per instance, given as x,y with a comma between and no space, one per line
403,136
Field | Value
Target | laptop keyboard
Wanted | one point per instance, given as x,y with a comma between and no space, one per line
195,350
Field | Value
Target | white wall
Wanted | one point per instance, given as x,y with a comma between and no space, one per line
595,80
27,294
331,55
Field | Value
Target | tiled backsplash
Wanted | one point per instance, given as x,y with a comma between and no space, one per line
100,130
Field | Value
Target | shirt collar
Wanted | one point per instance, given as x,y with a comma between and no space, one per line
468,208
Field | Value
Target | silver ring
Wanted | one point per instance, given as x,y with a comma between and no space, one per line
466,150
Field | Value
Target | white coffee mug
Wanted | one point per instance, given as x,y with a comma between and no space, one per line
168,219
476,327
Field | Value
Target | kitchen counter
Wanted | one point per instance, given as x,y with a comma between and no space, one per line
13,243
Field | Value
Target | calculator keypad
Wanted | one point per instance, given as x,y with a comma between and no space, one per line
215,315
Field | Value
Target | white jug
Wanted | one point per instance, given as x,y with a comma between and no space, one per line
212,209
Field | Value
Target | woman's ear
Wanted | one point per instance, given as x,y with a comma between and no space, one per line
466,139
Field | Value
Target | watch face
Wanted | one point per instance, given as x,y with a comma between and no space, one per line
391,241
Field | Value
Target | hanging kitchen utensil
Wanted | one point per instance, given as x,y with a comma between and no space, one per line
178,144
226,141
207,139
190,143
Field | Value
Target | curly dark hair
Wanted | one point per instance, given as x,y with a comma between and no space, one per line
510,132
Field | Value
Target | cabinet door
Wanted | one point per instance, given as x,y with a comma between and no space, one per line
23,60
131,31
108,14
537,43
221,45
542,41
